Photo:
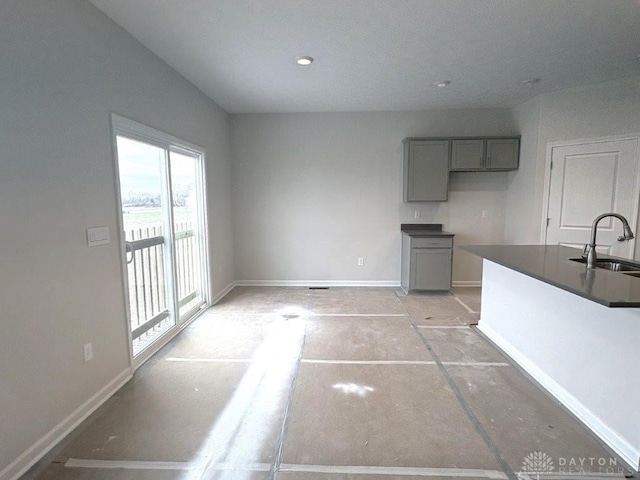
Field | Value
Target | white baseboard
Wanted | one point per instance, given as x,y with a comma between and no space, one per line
619,445
318,283
39,449
330,283
466,283
223,293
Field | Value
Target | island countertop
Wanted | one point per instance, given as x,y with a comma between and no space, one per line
552,264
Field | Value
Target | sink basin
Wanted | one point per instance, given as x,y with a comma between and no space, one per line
617,266
633,274
613,265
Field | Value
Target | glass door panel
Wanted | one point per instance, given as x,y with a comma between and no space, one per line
144,201
188,222
161,186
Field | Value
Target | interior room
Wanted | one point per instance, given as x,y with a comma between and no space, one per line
212,205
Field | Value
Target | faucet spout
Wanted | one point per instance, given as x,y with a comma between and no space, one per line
628,234
590,248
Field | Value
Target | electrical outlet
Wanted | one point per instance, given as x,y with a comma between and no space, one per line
485,213
360,262
417,214
88,352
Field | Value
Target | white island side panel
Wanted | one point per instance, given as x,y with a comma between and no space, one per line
585,354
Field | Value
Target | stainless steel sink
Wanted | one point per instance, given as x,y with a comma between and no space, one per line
616,266
632,274
613,265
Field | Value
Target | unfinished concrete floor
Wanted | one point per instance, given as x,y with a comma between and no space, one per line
343,383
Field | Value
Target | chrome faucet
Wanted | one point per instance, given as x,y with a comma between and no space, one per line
589,251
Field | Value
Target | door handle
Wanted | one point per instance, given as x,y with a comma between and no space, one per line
128,248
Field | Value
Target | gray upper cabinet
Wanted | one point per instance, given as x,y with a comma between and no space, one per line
428,161
502,153
467,155
426,170
484,154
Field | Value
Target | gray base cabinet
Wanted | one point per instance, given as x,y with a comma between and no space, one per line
426,263
431,269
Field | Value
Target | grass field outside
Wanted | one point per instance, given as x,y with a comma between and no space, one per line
136,218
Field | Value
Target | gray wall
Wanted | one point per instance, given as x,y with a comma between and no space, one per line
65,68
611,108
313,192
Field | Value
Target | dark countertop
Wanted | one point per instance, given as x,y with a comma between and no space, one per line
424,230
551,264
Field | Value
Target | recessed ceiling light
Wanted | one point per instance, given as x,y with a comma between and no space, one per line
441,83
530,81
304,60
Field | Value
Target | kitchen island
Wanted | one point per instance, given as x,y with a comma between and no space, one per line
574,330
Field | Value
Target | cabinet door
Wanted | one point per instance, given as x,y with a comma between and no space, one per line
430,269
467,155
503,154
426,176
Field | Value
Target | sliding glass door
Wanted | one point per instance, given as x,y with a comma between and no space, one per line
188,224
161,186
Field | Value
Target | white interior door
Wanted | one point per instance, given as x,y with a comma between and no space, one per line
589,179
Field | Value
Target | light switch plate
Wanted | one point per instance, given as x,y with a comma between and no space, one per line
87,350
98,236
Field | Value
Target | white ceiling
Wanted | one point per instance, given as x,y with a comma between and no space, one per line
384,54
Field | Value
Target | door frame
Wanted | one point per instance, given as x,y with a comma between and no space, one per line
136,131
547,177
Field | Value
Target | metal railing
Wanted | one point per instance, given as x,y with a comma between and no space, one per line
147,278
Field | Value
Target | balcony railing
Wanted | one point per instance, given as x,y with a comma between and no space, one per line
147,280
